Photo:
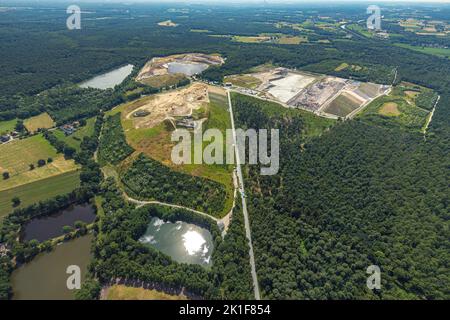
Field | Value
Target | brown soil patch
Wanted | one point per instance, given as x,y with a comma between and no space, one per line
167,105
389,109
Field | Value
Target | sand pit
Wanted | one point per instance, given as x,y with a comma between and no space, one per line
179,103
187,64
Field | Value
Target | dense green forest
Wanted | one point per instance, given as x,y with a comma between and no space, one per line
113,147
356,196
148,179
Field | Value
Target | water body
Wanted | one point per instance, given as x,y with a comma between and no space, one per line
182,241
189,69
48,227
45,277
110,79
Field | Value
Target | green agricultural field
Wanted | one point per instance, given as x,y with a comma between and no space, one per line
16,157
75,139
7,126
38,191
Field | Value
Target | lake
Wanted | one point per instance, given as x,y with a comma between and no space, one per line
188,69
45,277
48,227
110,79
182,241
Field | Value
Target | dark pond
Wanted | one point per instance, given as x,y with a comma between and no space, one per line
44,228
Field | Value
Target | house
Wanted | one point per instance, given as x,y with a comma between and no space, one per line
68,129
5,138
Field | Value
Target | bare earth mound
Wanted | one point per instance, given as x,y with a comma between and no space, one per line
166,106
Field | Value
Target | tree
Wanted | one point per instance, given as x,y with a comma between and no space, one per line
67,229
41,162
15,201
31,166
5,175
19,126
49,160
69,152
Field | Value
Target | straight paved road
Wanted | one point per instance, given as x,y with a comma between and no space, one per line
244,203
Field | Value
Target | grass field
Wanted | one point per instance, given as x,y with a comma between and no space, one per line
7,126
389,109
343,105
75,139
396,109
42,121
16,157
121,292
37,191
440,52
244,81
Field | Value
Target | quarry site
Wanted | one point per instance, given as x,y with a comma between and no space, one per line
160,69
176,106
324,95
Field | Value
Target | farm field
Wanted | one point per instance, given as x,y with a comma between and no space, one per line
75,139
38,191
16,157
7,126
42,121
121,292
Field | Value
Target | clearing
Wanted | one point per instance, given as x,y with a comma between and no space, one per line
389,109
167,23
74,140
7,126
324,95
42,121
121,292
401,108
38,191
